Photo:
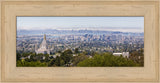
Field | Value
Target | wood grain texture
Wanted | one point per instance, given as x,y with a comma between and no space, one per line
159,43
79,82
0,42
82,0
148,8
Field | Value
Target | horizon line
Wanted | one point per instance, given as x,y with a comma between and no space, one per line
79,30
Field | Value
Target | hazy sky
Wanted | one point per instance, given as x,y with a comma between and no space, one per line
123,24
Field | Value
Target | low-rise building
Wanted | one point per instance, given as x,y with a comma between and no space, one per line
124,54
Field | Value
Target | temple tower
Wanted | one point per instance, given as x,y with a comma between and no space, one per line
43,47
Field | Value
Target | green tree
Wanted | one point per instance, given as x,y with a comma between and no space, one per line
138,57
59,61
67,56
78,59
18,56
107,60
76,51
52,62
24,63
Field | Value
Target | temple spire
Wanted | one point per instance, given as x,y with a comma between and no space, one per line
44,36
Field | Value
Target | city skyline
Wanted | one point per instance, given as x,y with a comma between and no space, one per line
122,24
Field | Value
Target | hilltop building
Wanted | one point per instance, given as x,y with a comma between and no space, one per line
43,47
124,54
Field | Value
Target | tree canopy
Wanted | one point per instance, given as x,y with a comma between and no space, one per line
106,60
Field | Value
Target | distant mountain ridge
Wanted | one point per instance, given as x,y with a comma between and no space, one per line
75,32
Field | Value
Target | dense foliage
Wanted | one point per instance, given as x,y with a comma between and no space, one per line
67,59
23,63
107,60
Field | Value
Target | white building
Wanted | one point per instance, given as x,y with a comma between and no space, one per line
124,54
56,55
43,47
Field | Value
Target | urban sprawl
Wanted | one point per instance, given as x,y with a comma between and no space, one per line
55,43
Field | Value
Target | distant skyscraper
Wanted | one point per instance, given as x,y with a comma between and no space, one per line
43,47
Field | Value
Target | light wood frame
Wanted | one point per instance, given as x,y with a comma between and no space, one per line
12,8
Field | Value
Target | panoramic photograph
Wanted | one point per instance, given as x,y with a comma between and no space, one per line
80,42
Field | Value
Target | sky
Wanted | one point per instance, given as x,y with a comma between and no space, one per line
123,24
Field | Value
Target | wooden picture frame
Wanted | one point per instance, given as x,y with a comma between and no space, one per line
12,8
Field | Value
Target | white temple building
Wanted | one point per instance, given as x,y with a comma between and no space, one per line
43,47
